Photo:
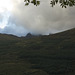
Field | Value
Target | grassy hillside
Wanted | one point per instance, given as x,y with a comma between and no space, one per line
44,55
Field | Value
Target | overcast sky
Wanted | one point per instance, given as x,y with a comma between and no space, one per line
18,19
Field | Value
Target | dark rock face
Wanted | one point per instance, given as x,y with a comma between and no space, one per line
29,35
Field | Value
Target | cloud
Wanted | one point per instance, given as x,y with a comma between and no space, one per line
15,30
42,19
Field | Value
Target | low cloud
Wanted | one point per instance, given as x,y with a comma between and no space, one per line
15,30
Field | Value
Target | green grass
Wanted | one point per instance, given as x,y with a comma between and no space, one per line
44,55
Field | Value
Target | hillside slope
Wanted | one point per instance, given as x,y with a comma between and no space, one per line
44,55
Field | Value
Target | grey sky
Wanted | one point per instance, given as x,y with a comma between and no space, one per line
42,19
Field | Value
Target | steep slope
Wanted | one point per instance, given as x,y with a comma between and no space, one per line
44,55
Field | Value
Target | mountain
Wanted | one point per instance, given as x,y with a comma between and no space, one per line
29,35
44,55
